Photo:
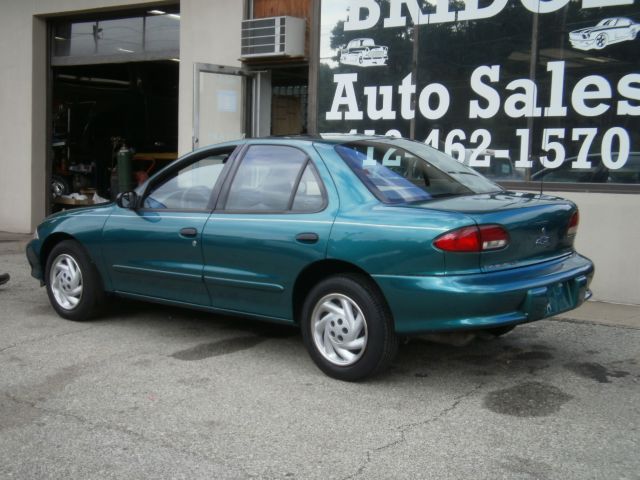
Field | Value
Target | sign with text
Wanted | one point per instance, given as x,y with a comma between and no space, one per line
518,89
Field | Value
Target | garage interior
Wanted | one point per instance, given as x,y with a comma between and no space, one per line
113,98
114,86
99,110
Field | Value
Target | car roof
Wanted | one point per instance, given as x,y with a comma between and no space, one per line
305,139
329,138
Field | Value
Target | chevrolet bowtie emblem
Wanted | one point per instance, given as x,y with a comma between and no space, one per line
543,240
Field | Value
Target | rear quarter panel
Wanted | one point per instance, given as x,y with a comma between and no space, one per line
384,239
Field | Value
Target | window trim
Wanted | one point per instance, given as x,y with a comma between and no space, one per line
221,205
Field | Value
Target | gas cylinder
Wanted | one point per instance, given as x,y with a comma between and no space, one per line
124,158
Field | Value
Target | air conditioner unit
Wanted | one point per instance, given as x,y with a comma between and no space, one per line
272,37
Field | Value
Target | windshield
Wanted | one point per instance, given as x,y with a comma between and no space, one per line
402,171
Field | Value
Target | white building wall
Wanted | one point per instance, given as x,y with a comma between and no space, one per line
609,234
16,32
210,33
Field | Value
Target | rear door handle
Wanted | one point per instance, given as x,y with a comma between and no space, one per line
189,232
307,237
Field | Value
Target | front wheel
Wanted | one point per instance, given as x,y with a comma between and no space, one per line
73,282
347,327
602,41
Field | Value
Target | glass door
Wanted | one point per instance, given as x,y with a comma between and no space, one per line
221,99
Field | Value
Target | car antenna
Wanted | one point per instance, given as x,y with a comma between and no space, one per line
541,184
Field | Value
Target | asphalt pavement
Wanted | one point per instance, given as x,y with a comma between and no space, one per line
150,392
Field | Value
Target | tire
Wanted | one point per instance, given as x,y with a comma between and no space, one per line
348,311
59,186
499,331
73,282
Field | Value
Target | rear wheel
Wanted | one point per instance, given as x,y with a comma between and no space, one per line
347,327
73,283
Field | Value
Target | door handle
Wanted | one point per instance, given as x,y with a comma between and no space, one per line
189,232
307,237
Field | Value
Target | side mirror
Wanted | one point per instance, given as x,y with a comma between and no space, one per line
127,200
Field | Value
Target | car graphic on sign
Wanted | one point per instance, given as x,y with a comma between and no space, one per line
364,52
608,31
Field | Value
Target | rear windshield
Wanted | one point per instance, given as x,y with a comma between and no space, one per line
402,171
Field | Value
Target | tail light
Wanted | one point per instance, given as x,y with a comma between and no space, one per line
573,224
473,239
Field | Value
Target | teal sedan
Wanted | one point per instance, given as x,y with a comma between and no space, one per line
358,240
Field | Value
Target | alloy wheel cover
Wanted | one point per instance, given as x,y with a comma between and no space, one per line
339,329
65,280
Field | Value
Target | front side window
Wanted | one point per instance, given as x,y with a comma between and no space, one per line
190,188
268,178
401,171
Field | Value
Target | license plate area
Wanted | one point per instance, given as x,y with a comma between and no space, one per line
559,298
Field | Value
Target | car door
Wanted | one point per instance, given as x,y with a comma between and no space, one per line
155,250
273,219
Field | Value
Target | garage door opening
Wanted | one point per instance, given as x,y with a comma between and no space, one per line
113,104
101,110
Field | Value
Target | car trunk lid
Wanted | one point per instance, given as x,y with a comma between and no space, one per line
537,225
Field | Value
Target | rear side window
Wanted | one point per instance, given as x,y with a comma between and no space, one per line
309,196
274,178
402,171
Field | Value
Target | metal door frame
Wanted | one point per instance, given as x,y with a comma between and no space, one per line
250,100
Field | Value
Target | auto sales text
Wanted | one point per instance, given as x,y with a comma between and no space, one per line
591,96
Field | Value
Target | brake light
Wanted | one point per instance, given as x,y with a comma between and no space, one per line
473,239
573,224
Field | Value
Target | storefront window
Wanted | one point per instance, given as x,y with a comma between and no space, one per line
153,31
520,90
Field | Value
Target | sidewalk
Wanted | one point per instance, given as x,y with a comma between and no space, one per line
602,313
605,314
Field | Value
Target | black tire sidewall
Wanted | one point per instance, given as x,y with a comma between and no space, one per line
91,285
381,339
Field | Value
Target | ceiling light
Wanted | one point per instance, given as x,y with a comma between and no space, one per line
125,50
156,12
59,38
174,15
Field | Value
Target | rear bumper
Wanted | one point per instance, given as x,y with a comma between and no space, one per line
485,300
